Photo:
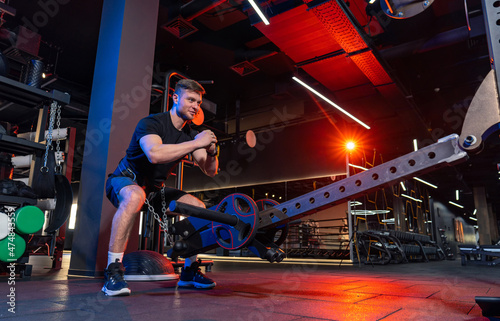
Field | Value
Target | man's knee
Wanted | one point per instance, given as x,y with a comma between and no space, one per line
191,200
138,197
132,195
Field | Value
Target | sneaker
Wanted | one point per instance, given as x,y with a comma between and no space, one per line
114,284
192,276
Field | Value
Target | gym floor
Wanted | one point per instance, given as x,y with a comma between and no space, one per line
251,289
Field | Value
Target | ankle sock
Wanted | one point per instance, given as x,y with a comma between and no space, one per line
112,256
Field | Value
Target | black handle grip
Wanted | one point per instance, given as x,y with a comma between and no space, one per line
203,213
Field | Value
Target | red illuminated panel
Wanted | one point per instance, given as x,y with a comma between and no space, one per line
341,29
337,73
299,34
370,66
339,26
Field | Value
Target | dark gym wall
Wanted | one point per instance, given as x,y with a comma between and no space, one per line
282,154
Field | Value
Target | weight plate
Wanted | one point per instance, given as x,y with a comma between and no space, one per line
235,237
278,234
264,204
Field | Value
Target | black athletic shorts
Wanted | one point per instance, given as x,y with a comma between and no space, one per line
124,177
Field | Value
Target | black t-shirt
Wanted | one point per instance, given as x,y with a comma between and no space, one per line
158,124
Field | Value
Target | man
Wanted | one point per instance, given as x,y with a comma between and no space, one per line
158,144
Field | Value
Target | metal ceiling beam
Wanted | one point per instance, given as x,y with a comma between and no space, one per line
196,8
440,40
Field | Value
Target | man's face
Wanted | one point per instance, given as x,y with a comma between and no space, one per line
188,103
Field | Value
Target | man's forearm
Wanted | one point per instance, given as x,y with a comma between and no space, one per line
170,152
211,165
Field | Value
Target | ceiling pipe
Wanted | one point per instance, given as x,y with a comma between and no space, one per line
440,40
196,8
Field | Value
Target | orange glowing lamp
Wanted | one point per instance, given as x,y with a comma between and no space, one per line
350,145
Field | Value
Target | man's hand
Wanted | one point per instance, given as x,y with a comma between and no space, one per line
206,139
204,154
212,149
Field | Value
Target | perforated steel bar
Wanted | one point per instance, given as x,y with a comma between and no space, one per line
443,153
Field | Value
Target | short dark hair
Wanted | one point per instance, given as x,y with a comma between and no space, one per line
189,84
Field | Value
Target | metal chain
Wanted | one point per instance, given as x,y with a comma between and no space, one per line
166,237
163,223
58,168
53,108
163,203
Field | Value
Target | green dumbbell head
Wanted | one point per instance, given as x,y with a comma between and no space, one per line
12,247
29,219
